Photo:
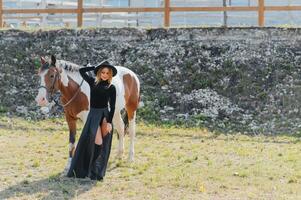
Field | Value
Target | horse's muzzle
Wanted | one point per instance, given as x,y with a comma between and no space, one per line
42,101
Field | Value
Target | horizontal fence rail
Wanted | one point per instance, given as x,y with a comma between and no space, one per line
167,9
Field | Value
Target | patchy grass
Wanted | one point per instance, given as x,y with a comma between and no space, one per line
170,163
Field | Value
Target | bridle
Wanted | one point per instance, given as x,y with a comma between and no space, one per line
50,91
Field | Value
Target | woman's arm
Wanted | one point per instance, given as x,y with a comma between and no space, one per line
85,76
112,103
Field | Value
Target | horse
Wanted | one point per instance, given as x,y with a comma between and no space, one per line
63,76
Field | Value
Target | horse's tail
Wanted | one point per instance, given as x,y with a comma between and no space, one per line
125,120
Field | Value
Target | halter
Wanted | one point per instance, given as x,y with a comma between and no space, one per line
49,93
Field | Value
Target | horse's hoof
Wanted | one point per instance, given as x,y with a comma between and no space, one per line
131,159
119,155
65,172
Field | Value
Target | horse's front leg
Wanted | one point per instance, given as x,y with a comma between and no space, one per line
72,134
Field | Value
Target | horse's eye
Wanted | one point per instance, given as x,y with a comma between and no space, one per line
51,76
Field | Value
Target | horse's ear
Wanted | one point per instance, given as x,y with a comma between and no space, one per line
53,60
43,61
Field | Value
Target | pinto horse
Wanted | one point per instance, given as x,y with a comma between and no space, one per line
63,76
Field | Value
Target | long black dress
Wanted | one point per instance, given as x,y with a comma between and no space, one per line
83,163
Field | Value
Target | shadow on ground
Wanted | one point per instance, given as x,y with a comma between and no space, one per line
54,187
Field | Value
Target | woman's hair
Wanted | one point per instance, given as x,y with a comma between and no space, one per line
98,75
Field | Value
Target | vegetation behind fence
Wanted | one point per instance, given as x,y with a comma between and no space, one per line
167,10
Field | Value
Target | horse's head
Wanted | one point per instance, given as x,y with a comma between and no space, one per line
50,76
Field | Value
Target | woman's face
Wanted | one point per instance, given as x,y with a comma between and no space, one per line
104,73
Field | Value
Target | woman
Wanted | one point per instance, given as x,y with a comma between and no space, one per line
94,145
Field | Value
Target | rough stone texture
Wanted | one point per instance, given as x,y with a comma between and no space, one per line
235,79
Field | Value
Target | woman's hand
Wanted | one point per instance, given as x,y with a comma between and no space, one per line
109,127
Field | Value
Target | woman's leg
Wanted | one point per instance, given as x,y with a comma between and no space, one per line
101,132
98,137
107,142
98,144
104,125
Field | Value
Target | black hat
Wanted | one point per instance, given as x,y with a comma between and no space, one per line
105,64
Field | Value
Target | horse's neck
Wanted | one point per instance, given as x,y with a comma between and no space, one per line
69,82
64,79
64,85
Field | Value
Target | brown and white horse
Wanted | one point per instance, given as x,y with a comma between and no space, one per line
63,76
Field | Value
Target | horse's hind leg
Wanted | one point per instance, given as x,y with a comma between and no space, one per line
132,132
119,125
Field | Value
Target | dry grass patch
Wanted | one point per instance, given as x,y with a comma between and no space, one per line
170,163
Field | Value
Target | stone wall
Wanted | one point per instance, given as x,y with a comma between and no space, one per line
234,79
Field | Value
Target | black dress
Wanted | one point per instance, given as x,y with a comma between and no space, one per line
83,163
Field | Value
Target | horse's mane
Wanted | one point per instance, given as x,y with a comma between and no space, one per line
71,70
68,66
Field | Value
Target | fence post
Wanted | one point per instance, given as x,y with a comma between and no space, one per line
225,14
79,13
1,13
167,13
261,13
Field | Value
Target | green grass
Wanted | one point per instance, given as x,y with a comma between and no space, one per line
170,163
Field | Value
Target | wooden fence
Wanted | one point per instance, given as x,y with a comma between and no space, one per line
167,9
